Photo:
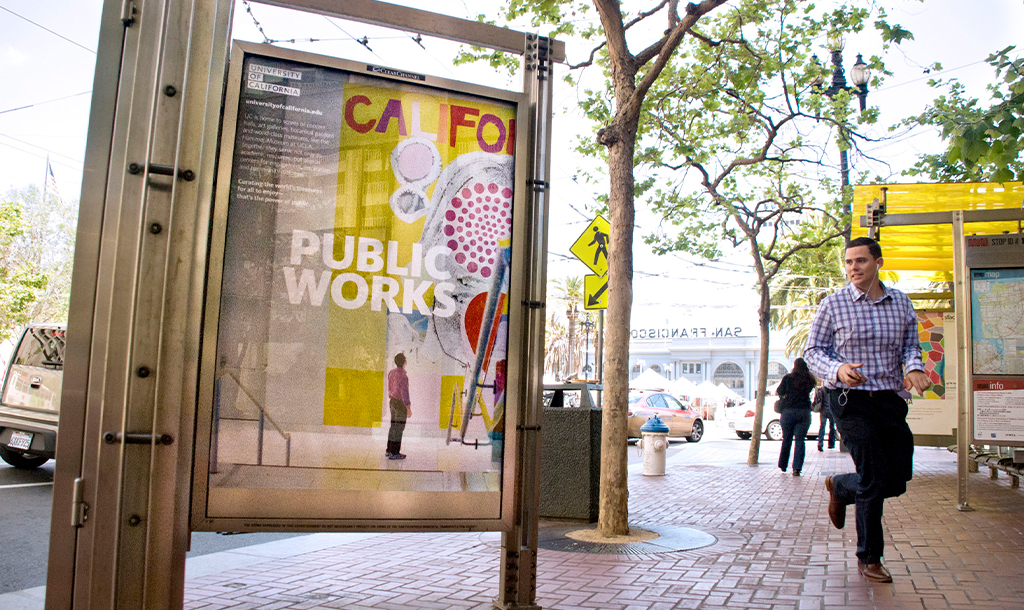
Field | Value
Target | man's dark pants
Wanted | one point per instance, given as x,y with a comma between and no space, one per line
874,427
398,416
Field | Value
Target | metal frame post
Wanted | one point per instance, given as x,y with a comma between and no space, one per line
139,278
961,280
517,588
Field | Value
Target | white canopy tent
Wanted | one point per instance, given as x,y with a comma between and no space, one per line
650,380
684,388
729,394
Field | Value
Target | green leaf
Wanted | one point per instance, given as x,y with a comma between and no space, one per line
896,33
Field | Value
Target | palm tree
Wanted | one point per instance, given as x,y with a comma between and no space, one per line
811,276
556,347
563,344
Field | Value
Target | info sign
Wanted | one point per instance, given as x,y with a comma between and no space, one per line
999,410
996,270
366,226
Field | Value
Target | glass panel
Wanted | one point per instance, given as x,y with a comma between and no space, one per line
364,288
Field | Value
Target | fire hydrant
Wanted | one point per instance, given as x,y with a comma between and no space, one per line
653,443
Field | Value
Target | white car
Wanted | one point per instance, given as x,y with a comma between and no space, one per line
741,421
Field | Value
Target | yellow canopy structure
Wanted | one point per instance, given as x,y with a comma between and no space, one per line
925,252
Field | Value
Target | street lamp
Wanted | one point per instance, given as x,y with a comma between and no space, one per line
587,325
860,75
570,314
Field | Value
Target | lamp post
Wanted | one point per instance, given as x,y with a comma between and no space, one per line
587,325
570,314
860,75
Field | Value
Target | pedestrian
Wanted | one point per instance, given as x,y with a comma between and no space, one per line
401,407
864,343
795,393
821,396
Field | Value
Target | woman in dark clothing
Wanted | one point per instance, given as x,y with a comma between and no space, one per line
795,393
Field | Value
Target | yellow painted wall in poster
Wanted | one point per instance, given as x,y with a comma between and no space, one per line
451,386
376,120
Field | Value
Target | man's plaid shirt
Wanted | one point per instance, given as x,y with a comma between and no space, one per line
881,334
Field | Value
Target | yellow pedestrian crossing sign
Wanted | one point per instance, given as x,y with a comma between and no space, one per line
592,246
595,292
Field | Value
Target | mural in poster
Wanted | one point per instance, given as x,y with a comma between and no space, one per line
365,278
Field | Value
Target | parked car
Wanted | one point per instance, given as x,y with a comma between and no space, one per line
680,418
741,421
30,397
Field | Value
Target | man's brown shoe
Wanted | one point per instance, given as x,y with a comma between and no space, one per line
875,572
836,509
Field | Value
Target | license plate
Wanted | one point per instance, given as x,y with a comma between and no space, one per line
19,440
732,425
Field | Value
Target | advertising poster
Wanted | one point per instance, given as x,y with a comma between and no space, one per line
935,413
365,282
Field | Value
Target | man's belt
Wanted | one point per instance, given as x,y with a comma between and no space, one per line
868,393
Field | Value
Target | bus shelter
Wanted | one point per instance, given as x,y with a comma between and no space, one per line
965,240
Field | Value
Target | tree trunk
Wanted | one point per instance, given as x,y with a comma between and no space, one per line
614,514
764,313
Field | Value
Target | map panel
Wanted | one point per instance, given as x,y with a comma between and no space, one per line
997,321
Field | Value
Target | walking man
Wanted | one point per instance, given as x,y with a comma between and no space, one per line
863,341
401,407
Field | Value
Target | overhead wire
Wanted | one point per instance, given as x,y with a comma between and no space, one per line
39,156
46,102
43,27
49,152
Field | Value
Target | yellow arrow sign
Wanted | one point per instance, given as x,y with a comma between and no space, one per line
592,246
595,292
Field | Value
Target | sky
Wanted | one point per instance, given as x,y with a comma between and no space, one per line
47,59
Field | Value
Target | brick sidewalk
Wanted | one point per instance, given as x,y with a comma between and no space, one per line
775,549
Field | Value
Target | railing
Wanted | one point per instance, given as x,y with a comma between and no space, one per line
264,418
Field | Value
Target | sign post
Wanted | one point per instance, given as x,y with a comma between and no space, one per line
591,247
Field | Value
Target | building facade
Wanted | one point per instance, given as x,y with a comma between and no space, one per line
720,353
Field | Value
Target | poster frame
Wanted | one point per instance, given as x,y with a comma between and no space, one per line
988,252
519,279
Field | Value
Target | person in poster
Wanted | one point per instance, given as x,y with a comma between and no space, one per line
401,407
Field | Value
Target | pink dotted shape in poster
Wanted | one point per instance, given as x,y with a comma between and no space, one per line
478,218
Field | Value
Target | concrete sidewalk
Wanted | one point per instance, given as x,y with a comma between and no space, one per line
773,547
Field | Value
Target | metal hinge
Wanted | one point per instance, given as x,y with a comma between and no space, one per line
79,509
128,11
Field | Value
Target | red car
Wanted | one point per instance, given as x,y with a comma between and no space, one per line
680,418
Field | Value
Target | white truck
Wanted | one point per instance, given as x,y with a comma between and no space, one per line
30,396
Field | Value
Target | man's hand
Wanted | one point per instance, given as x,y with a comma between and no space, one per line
408,410
917,380
850,374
